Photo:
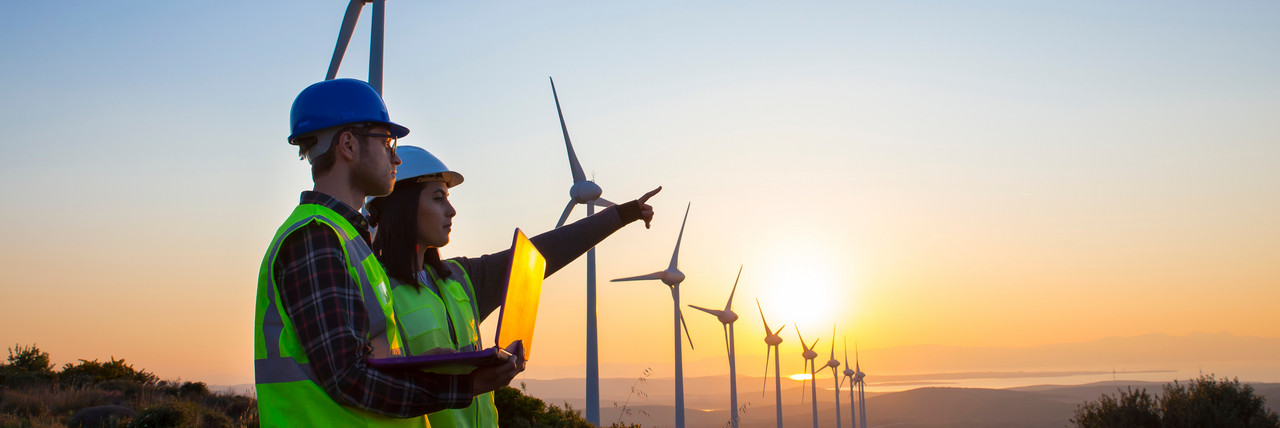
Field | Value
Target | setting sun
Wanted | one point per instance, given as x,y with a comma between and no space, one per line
804,297
801,376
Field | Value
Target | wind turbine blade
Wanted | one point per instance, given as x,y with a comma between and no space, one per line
710,311
686,330
565,216
655,275
726,338
602,203
767,330
846,351
573,158
344,37
729,306
779,330
801,338
803,390
675,255
764,384
833,342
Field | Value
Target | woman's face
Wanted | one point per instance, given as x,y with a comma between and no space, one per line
435,215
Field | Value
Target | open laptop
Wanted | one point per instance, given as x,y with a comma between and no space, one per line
516,318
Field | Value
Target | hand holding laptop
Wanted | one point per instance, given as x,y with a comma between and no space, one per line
489,378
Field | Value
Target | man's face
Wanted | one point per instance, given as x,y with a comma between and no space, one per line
375,172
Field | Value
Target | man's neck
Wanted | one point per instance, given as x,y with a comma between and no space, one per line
342,192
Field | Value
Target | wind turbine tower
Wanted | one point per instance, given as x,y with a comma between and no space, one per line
673,277
834,364
809,355
585,192
727,317
375,40
849,375
772,339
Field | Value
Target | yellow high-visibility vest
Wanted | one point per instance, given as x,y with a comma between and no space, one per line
289,393
424,315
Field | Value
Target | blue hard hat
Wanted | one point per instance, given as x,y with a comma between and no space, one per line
338,102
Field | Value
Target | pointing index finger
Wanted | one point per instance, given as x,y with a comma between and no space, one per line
650,194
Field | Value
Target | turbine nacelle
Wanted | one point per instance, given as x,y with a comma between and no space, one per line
809,354
773,340
833,363
672,277
859,377
584,192
849,372
725,317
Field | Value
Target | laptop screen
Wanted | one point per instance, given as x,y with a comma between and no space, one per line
524,289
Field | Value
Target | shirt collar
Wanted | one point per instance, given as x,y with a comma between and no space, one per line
352,216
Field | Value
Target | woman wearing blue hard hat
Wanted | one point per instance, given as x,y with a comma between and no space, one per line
439,304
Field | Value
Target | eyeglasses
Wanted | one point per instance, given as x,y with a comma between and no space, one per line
388,140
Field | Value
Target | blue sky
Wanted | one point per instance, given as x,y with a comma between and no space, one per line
921,162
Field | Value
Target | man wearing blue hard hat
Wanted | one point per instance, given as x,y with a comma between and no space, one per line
322,303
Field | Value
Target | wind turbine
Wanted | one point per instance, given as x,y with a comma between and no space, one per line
849,375
585,192
772,339
834,364
673,277
809,355
727,317
859,379
375,40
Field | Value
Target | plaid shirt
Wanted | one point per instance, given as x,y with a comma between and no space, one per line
326,309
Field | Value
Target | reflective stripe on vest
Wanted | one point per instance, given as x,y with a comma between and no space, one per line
289,392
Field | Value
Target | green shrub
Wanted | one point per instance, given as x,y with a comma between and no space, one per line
94,372
193,389
27,359
518,410
1202,402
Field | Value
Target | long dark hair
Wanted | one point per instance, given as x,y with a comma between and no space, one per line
396,242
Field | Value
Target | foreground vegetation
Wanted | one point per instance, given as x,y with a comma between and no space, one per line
111,394
1201,402
114,394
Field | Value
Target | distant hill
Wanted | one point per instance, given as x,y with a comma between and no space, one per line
933,407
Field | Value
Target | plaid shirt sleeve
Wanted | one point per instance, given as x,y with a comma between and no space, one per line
326,309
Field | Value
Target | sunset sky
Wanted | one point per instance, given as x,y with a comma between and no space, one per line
984,173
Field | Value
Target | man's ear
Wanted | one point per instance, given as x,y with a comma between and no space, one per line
348,147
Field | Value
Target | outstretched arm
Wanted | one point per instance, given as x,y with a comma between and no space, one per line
559,246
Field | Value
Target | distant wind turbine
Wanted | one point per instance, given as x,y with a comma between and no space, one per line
588,193
772,339
727,317
809,355
834,364
849,375
673,277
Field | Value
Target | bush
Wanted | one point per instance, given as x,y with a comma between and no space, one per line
1202,402
193,389
27,359
518,410
94,372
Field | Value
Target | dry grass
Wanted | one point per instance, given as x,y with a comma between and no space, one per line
52,406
